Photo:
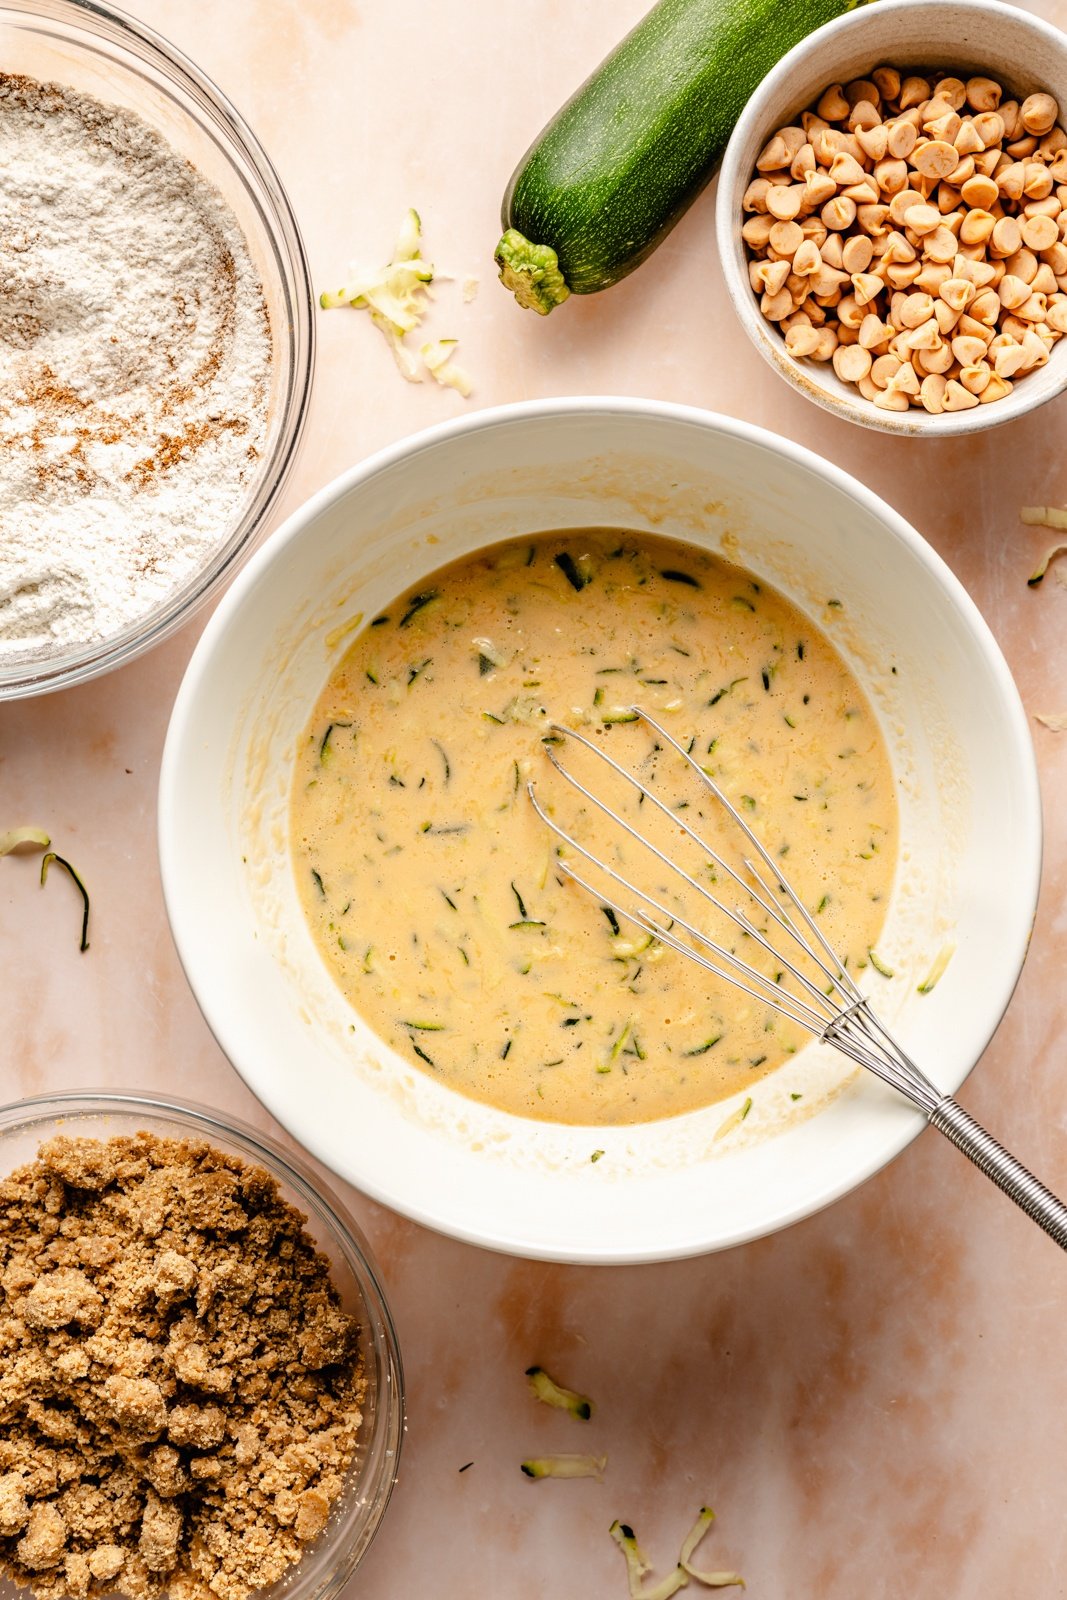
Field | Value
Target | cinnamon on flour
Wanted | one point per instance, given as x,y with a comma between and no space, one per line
135,361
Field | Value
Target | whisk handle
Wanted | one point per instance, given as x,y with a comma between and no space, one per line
1007,1173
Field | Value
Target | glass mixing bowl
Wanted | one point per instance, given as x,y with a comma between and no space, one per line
100,51
354,1518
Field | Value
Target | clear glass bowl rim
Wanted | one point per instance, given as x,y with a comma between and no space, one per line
203,101
356,1531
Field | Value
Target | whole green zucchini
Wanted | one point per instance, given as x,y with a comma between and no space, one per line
615,169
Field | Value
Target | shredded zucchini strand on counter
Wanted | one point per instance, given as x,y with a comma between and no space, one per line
26,838
637,1567
396,297
565,1466
61,861
551,1393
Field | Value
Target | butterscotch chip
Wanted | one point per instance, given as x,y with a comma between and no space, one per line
181,1386
935,159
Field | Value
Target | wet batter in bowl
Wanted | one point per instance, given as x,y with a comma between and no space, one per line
430,884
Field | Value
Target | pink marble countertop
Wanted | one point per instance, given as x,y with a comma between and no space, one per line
873,1401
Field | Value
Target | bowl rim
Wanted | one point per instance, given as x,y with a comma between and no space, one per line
295,1113
324,1204
94,20
808,379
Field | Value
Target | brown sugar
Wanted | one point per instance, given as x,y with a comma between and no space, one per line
180,1388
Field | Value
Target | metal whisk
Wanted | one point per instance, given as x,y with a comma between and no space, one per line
825,1000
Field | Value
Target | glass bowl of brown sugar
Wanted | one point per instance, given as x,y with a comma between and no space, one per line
203,1387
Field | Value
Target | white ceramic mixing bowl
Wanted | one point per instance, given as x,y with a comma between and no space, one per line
958,741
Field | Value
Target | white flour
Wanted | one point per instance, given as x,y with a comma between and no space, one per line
134,369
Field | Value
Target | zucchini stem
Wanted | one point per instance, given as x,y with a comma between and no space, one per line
531,272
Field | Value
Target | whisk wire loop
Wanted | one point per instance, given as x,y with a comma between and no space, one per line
845,1023
764,900
838,1013
665,934
757,844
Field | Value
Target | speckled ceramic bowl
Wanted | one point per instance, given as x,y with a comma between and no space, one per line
972,36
